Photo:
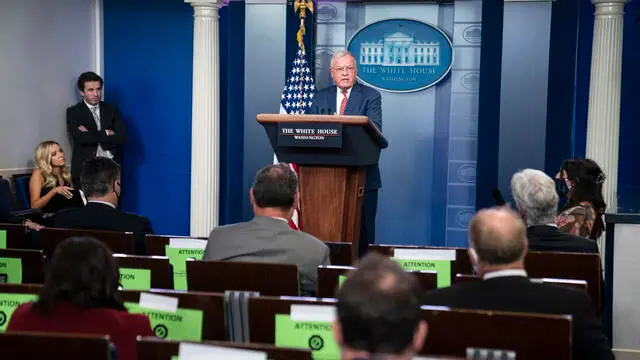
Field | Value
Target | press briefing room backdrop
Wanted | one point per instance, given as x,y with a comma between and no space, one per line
502,85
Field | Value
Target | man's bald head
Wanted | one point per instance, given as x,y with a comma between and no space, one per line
379,309
498,236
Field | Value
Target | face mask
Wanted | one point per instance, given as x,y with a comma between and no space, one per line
561,187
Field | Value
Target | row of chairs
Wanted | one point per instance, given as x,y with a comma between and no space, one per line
81,347
569,266
451,331
219,276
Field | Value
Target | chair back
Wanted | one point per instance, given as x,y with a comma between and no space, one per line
161,275
34,345
7,204
20,288
21,186
340,253
30,269
118,242
531,336
263,310
156,349
16,236
265,278
155,244
576,284
211,304
329,279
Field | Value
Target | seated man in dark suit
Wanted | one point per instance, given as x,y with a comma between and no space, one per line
267,237
498,246
537,202
100,180
379,312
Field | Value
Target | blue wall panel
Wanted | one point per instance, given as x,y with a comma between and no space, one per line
232,32
563,54
583,73
148,61
489,106
148,65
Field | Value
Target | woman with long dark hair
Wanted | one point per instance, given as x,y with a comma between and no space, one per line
80,296
580,181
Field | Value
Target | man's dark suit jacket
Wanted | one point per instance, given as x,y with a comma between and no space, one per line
518,294
85,144
97,216
550,238
363,100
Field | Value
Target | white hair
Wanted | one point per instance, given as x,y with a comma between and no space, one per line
535,195
340,54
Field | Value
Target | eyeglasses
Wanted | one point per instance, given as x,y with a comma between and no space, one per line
344,68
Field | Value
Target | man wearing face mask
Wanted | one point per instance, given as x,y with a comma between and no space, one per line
497,248
100,180
537,202
347,97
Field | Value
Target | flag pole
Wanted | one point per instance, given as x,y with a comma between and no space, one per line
301,7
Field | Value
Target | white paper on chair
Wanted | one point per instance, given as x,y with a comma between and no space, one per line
186,243
158,302
189,351
424,254
324,313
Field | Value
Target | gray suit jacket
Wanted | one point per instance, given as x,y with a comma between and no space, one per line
269,240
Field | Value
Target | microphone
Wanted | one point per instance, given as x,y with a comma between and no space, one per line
330,112
497,196
322,111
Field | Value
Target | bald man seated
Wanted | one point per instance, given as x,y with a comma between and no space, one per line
497,248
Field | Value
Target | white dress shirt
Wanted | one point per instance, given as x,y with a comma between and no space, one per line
504,273
102,202
95,109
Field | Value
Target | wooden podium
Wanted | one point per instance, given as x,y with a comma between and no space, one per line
331,153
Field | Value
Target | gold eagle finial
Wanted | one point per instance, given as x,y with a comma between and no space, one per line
301,7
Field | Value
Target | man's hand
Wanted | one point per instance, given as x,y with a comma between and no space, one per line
33,226
110,132
82,128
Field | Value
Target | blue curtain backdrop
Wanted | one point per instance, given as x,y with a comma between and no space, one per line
489,103
232,33
148,62
147,67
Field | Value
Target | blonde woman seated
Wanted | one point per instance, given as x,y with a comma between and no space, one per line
50,183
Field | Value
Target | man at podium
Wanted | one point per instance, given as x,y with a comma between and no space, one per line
350,98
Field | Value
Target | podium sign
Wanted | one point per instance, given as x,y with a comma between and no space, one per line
301,134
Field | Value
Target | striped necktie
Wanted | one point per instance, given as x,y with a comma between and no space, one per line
343,104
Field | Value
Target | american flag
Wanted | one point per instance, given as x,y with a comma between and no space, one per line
299,88
297,98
